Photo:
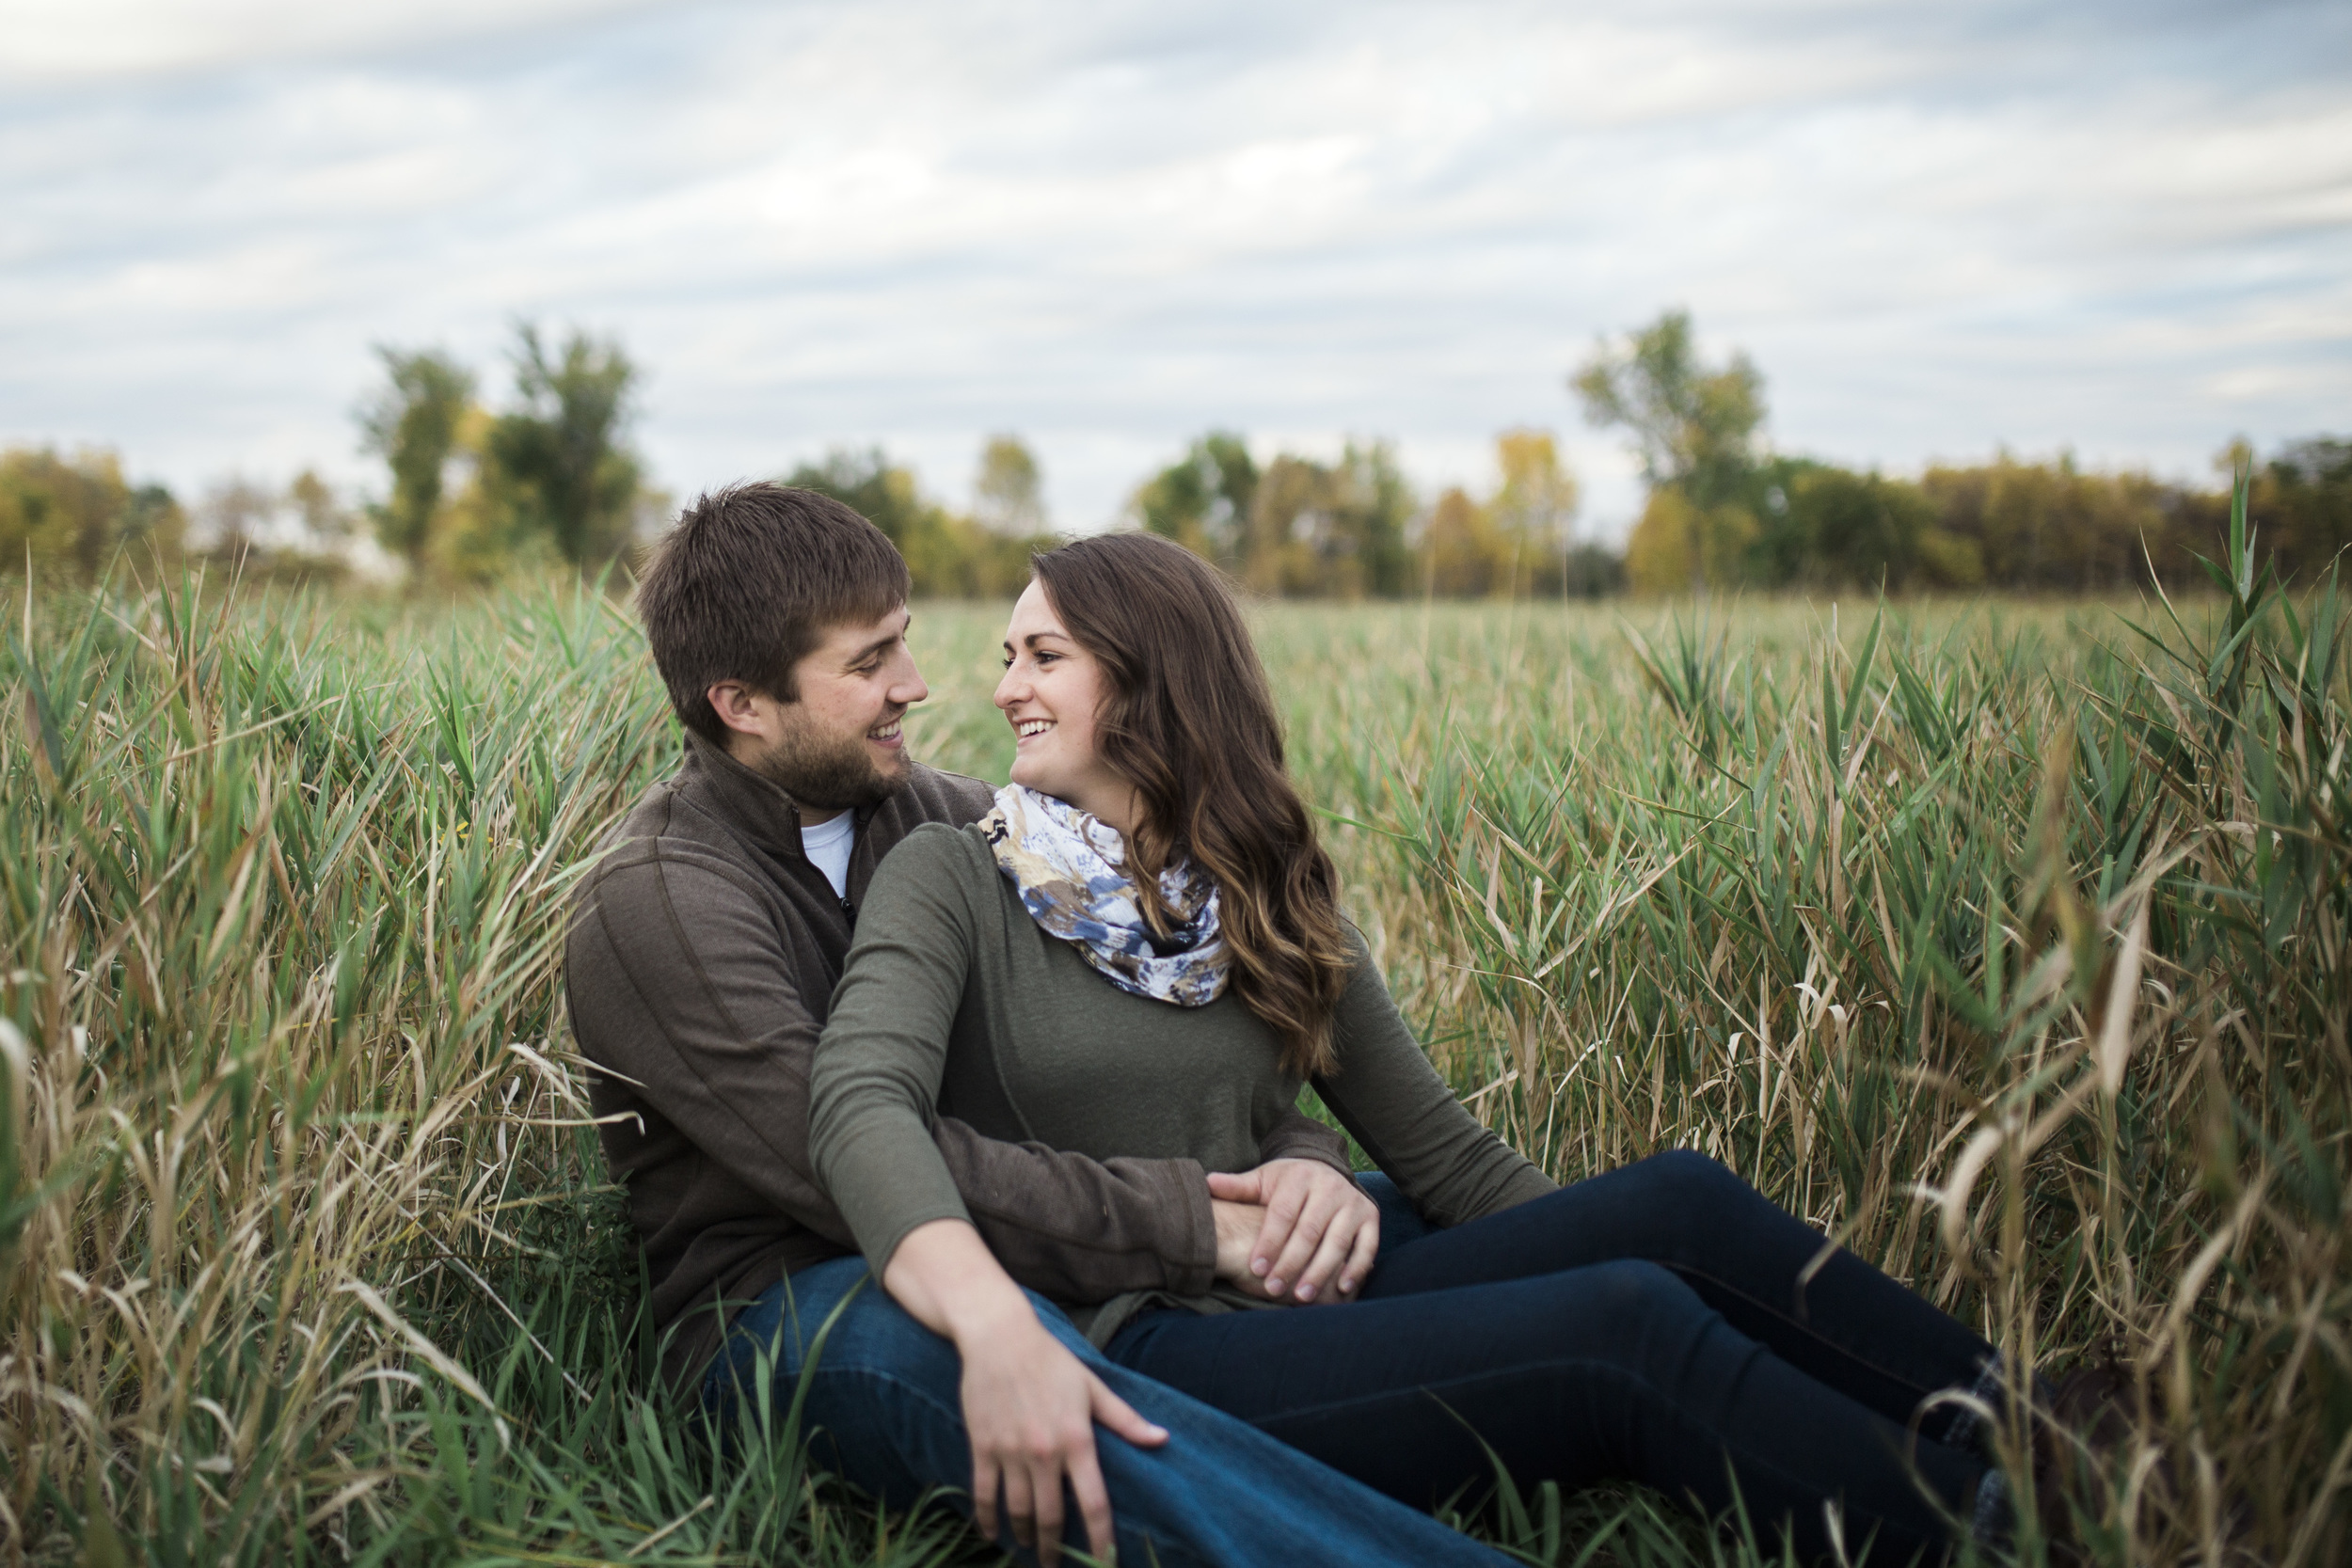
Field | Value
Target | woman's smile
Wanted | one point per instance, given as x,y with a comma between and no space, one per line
1052,691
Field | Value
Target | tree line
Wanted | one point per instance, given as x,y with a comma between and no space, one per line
548,480
472,493
1723,511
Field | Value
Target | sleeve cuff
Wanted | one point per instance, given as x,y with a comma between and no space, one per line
1196,1271
878,1258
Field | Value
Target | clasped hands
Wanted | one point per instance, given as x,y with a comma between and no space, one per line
1287,1228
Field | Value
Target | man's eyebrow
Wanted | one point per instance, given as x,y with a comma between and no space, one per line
876,646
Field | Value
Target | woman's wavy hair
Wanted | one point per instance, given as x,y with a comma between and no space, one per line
1189,721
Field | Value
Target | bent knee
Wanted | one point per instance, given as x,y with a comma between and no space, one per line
1694,1185
1632,1288
1624,1308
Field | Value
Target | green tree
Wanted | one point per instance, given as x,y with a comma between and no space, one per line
1339,530
558,460
2303,500
413,423
1009,493
1782,553
1693,427
945,555
1363,546
1293,496
885,494
1862,530
1203,499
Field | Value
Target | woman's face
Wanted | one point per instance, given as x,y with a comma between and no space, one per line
1050,694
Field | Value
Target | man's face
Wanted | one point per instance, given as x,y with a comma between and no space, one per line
840,745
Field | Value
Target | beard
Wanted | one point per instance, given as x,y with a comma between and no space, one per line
829,772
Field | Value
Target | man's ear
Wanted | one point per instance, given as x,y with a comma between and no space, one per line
737,707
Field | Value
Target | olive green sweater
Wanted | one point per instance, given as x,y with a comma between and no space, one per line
954,1003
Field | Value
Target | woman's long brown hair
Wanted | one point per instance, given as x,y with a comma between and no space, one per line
1189,721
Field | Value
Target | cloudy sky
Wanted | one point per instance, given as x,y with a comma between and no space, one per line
2120,227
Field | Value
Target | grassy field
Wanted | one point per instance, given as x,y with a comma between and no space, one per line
2006,942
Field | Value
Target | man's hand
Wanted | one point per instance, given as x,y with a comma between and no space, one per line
1238,1225
1029,1405
1317,1223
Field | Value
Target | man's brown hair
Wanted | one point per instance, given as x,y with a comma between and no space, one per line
749,581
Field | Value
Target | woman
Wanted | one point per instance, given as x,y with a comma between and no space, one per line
1142,953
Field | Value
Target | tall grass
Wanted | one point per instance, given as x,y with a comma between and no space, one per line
307,1254
2007,944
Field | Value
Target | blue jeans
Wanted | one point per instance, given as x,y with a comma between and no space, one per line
884,1402
1664,1324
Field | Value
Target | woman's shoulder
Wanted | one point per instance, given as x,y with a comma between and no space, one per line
934,849
931,882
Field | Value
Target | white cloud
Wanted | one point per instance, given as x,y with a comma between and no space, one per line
80,41
2128,228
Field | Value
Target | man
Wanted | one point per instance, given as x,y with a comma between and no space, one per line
703,952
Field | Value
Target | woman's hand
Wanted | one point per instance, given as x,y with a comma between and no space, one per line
1317,1223
1029,1405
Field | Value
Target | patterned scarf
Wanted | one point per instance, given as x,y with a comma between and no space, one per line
1069,868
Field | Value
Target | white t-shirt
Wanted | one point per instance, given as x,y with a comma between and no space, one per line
828,845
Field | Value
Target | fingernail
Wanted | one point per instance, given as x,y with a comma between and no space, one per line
1305,1293
1274,1285
1259,1266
